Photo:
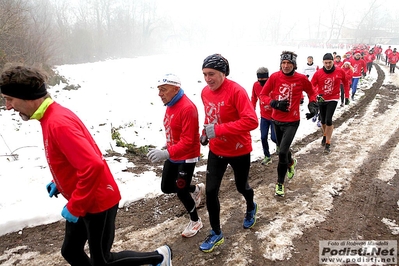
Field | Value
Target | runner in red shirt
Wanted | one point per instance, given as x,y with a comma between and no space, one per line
393,59
283,92
81,174
229,118
326,82
182,149
266,123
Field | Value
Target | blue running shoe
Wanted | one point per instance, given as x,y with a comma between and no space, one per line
250,217
213,240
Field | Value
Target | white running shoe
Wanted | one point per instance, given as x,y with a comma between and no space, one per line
198,194
166,252
192,228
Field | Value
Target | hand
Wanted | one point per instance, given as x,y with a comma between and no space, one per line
320,98
52,189
280,105
210,131
313,109
158,155
204,140
69,216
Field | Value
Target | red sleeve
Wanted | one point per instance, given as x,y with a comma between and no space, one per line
254,96
247,117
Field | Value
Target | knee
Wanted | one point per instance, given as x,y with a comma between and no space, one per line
167,189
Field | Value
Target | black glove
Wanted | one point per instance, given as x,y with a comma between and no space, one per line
204,140
313,109
280,105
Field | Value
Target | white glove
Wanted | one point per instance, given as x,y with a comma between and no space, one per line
158,155
210,131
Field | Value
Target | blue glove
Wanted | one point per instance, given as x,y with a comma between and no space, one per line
210,131
52,189
68,216
158,155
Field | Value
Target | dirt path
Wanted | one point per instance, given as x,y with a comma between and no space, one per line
343,195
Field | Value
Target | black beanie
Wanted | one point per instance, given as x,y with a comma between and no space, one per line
217,62
288,56
23,91
328,56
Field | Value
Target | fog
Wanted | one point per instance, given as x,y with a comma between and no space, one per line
78,31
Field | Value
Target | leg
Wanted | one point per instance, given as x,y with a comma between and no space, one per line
74,241
264,132
101,232
183,183
287,131
342,94
241,165
272,132
214,173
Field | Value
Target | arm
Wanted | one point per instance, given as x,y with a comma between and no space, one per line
86,166
254,96
245,116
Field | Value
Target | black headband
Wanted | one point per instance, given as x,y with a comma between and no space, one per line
262,75
23,91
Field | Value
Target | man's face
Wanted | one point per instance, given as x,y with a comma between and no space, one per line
167,92
26,108
328,64
287,66
213,78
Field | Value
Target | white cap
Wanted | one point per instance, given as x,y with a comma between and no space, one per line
169,79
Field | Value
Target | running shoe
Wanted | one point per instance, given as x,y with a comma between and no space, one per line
323,141
291,169
166,252
212,240
192,228
327,148
280,190
250,217
198,194
267,160
347,101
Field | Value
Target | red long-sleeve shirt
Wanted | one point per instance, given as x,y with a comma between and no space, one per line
233,114
79,169
265,109
393,58
182,130
328,84
358,65
282,87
